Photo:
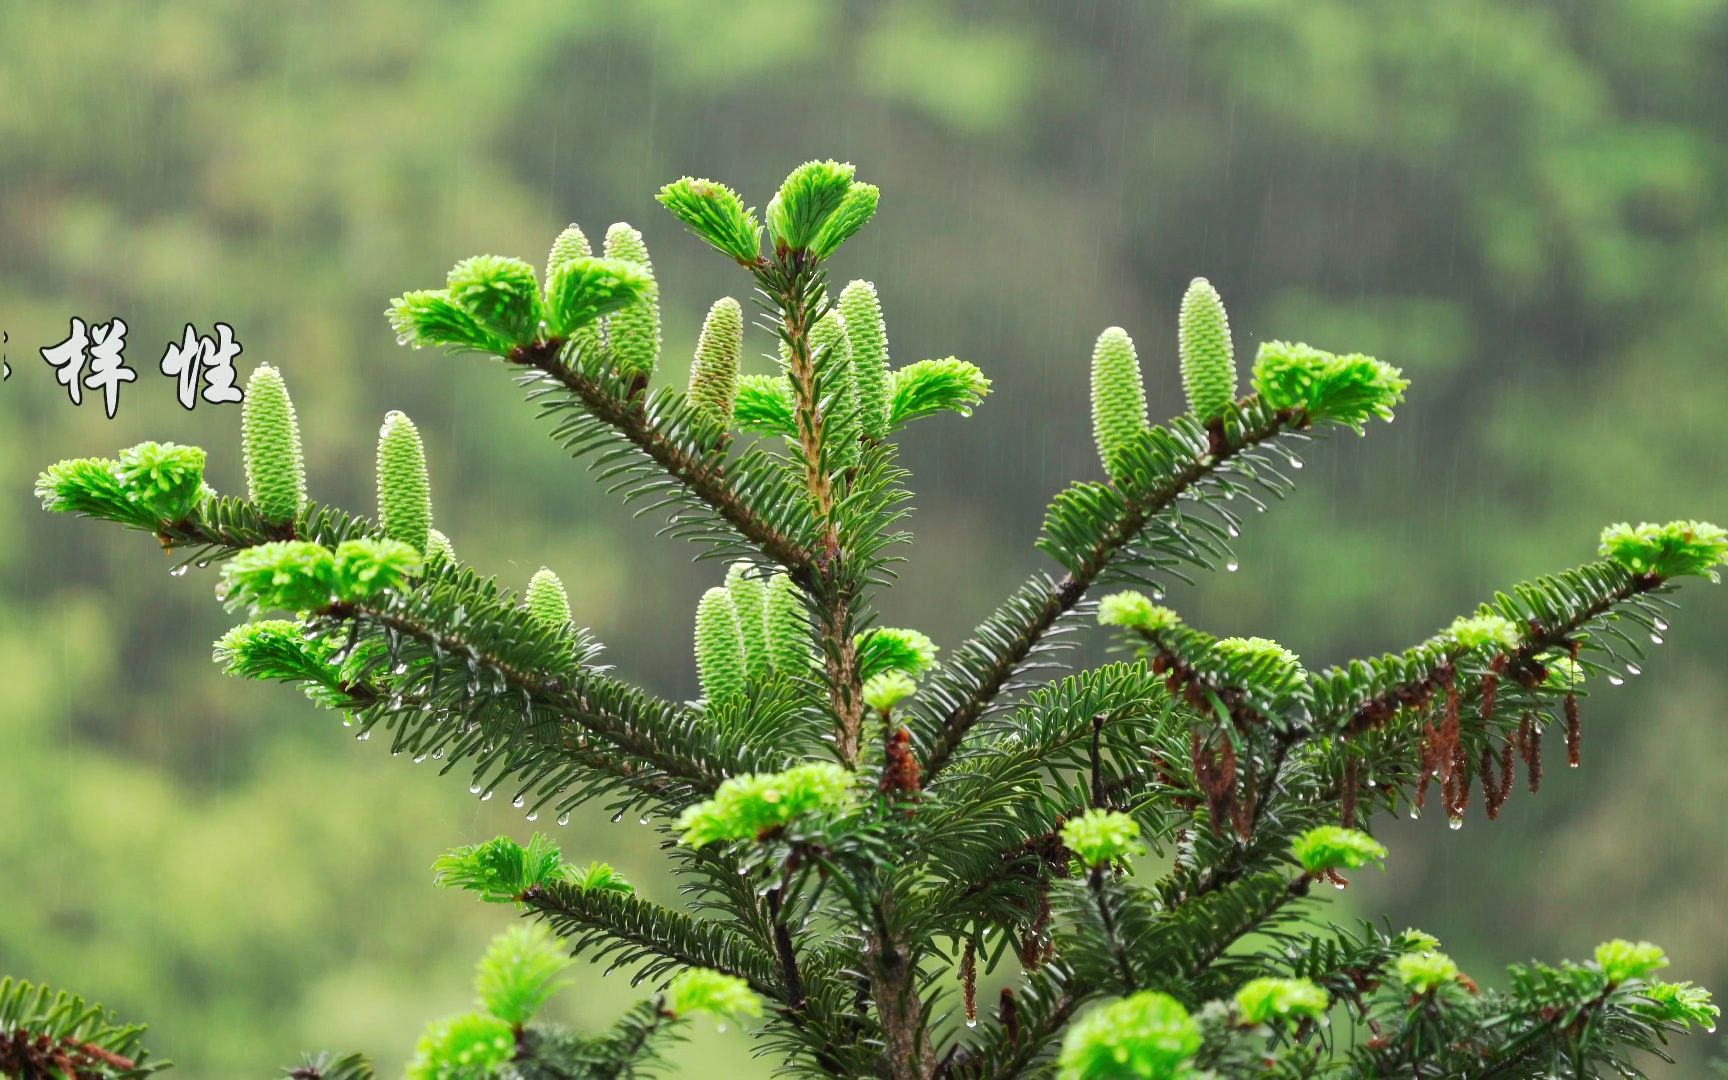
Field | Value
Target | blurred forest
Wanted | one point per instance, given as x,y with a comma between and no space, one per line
1523,204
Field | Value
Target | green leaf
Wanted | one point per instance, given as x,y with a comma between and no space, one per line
367,568
702,990
1677,549
431,317
501,294
1322,387
1426,972
1622,960
754,805
886,648
927,387
1330,847
809,196
764,404
854,212
523,967
285,575
1101,837
500,870
164,480
584,289
1148,1036
715,213
1270,1000
472,1046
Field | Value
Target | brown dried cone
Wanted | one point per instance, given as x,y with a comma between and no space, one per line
969,980
900,773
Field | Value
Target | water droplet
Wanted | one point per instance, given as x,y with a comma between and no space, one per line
1634,669
643,820
1455,823
473,789
363,736
1615,680
1233,531
1415,813
1661,624
534,816
1295,463
178,571
400,669
564,818
419,758
1231,566
971,1023
519,801
1340,884
1572,764
1655,639
486,797
1372,782
721,1028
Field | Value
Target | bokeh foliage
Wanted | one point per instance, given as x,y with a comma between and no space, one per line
1520,204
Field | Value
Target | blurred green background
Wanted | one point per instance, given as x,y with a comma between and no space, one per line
1523,204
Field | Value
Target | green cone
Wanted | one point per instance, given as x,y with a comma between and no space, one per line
546,599
270,436
719,647
714,373
1208,362
788,628
750,602
404,491
635,329
868,336
1118,398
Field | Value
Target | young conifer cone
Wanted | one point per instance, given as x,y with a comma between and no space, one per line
719,647
1118,398
634,330
788,628
1208,361
750,604
714,373
840,428
868,336
546,599
404,491
270,435
572,243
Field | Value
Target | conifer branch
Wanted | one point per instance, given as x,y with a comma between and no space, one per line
702,474
627,931
985,664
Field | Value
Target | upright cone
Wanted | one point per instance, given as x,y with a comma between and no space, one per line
404,490
634,330
270,436
714,373
1118,398
868,336
1203,342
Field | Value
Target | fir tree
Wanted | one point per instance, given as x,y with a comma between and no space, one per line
866,825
